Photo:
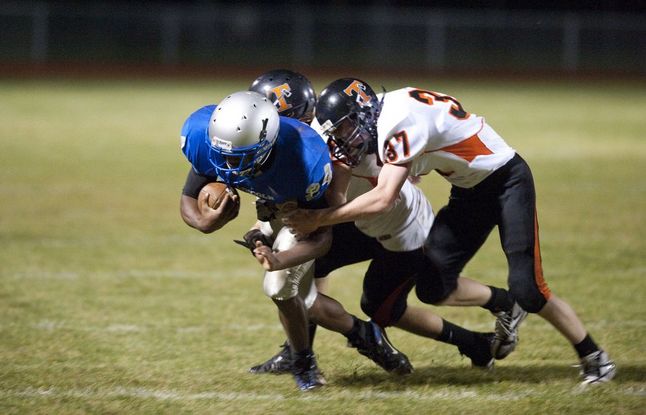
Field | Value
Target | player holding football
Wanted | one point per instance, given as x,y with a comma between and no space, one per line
414,131
244,142
393,242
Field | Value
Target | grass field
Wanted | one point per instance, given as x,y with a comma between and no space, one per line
110,304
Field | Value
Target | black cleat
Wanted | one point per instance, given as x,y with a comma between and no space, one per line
280,363
373,343
306,373
480,353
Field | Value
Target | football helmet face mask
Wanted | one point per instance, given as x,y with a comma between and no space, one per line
291,93
347,111
242,131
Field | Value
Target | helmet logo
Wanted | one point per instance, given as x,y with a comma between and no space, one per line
358,88
223,144
282,92
263,132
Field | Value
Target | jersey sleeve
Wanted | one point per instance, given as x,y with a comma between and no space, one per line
194,183
320,171
193,143
317,166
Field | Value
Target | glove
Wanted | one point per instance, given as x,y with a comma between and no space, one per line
265,210
250,239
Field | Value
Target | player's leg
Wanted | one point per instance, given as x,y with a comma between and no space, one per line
349,246
520,240
293,291
386,286
458,232
346,240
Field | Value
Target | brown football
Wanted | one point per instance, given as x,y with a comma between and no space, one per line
216,192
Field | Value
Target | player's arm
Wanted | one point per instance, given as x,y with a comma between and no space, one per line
200,215
336,193
378,200
315,245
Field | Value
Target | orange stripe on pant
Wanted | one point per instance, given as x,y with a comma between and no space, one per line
538,266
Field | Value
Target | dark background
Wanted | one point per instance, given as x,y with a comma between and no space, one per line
635,6
528,39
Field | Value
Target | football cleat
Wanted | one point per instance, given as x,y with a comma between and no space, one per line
306,373
373,343
506,336
280,363
596,368
480,352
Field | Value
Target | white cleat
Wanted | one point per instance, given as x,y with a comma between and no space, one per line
506,338
597,368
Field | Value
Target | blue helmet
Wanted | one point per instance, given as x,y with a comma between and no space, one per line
242,131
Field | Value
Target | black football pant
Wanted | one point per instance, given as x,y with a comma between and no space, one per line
390,275
507,199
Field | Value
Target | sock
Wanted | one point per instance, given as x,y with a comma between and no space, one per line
353,334
302,354
499,301
456,335
302,360
312,329
586,346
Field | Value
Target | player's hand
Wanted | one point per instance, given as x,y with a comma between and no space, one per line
266,257
251,237
302,222
216,218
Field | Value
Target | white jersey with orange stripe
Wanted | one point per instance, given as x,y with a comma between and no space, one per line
432,131
405,226
402,228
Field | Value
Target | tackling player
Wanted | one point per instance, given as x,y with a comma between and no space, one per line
393,242
414,131
244,142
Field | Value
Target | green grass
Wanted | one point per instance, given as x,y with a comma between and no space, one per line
110,304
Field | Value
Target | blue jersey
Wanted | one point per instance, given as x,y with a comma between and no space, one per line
298,170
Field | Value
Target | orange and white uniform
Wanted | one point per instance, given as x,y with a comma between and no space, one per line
404,227
491,186
434,132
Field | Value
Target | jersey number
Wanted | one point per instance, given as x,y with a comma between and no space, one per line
426,97
313,190
398,138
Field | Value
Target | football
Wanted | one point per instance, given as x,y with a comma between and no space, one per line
216,192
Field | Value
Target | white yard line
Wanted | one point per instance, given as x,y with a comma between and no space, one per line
252,272
175,395
52,325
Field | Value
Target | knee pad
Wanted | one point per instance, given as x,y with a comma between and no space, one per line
524,286
288,283
435,290
385,314
277,286
529,298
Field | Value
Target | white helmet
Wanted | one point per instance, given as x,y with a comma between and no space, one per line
242,131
